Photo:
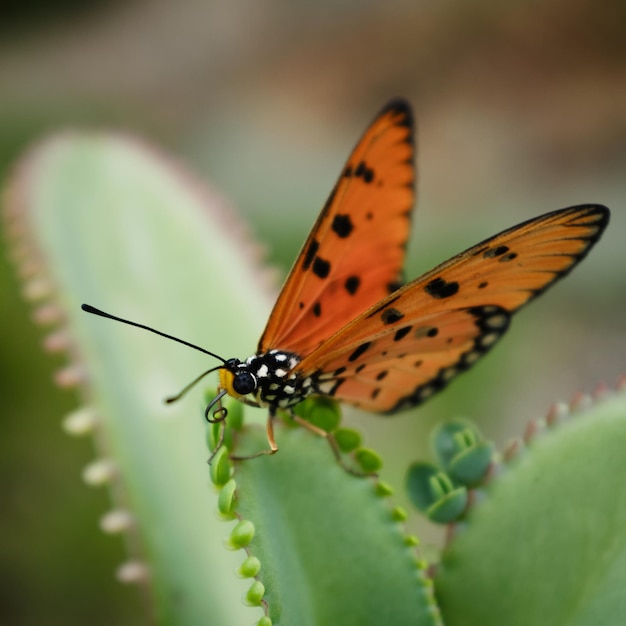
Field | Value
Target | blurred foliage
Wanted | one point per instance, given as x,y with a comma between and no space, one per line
56,567
521,110
28,15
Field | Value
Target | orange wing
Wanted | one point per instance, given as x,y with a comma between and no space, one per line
354,255
410,345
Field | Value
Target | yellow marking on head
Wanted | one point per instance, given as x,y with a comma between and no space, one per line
226,382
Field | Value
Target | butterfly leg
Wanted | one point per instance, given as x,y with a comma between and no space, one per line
334,446
219,444
273,449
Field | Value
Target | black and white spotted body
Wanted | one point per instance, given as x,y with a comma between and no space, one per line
267,380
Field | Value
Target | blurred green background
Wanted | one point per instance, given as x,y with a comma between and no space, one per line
521,109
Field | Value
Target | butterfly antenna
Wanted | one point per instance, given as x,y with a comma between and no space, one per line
186,388
92,309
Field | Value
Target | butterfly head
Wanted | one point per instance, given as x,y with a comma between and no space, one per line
237,379
265,379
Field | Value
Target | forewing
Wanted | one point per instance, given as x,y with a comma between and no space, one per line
354,255
411,344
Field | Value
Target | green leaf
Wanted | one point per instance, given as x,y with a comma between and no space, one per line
113,224
330,548
547,545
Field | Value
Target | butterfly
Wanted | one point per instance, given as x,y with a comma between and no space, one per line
344,325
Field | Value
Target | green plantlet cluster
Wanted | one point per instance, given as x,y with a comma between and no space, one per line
547,540
463,456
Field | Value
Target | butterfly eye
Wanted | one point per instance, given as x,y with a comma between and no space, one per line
244,383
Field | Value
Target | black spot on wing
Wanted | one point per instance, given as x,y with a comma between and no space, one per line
426,331
352,284
394,285
364,172
490,253
360,351
342,226
391,316
321,267
403,332
439,288
317,309
310,253
385,304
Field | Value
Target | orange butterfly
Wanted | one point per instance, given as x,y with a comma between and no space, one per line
343,326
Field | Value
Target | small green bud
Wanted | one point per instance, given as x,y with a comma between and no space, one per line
221,467
383,489
347,439
250,567
398,514
226,499
369,461
242,534
255,593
